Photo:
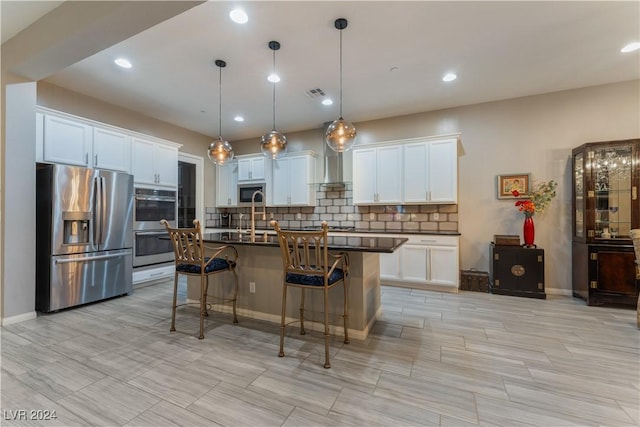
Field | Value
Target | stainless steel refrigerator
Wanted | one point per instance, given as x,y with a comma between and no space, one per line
84,227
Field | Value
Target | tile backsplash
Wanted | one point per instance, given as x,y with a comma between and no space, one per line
336,207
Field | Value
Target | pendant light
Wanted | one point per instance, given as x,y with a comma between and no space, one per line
220,151
341,134
273,143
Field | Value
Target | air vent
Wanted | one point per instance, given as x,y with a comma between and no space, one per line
315,93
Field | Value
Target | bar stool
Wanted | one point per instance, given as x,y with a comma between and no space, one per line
189,250
307,264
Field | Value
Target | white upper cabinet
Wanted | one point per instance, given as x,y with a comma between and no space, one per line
111,150
227,185
430,171
64,138
154,163
252,168
67,141
418,171
377,177
292,180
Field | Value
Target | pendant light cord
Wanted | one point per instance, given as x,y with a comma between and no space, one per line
340,73
274,91
220,103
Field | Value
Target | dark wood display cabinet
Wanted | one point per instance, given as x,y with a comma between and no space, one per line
606,207
517,271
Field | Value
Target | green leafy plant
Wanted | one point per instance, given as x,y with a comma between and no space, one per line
539,198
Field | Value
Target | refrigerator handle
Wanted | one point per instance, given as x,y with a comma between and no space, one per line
103,207
97,225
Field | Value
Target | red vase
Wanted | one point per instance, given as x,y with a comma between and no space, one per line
529,232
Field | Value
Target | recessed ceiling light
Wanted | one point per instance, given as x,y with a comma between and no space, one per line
122,62
238,16
449,77
273,78
630,47
238,119
327,101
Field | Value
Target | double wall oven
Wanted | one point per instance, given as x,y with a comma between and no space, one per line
150,206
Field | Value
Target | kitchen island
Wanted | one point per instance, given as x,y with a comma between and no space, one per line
260,263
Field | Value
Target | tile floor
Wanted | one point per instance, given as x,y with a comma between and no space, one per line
433,359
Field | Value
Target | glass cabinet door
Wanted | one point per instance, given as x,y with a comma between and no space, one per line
578,191
612,184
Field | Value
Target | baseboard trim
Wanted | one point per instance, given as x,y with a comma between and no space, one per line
19,318
308,324
559,291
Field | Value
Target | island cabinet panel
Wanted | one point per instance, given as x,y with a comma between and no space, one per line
292,180
227,185
517,271
377,177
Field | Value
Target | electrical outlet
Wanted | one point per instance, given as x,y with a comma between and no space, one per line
252,287
270,215
435,216
372,216
298,216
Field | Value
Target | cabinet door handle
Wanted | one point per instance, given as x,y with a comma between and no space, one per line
634,193
86,158
428,241
95,161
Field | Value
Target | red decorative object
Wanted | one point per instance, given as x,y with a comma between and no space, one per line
528,231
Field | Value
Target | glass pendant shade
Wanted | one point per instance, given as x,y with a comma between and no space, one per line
273,144
220,152
340,135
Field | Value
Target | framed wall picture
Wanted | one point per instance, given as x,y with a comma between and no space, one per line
517,181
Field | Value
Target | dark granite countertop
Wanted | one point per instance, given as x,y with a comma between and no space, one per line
380,231
336,243
366,231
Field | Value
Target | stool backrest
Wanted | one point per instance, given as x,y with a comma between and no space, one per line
188,246
304,252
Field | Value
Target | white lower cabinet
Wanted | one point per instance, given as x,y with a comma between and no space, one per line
425,261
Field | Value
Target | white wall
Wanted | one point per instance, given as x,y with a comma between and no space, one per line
19,182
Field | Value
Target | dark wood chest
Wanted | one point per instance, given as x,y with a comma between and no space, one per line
517,271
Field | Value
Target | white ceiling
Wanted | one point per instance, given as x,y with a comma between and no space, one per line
20,14
499,50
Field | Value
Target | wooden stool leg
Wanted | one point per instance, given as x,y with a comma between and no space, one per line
302,331
235,295
345,313
174,305
327,337
203,306
284,306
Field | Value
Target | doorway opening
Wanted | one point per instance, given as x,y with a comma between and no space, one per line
190,194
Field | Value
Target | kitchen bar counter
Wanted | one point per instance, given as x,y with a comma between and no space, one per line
260,269
336,242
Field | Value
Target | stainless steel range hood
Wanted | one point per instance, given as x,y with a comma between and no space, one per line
333,177
333,168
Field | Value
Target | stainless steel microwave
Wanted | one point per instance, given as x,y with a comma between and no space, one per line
246,192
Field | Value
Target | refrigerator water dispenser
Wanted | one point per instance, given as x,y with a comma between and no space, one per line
76,228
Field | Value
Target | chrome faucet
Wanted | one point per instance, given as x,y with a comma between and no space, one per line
240,225
253,212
